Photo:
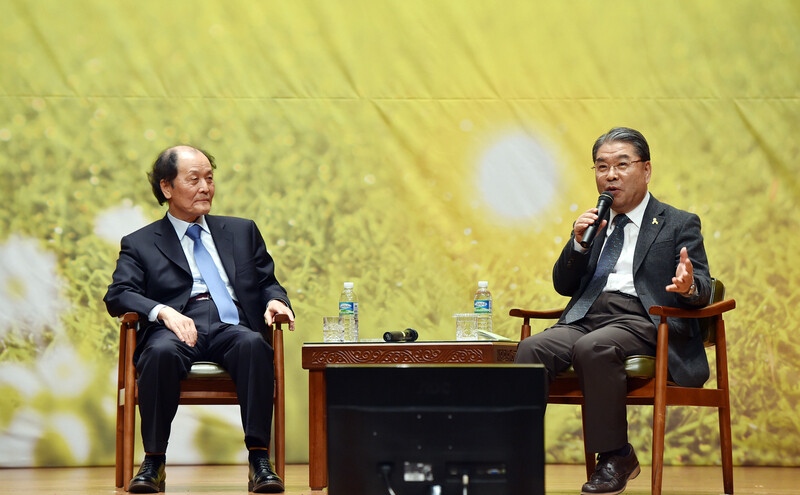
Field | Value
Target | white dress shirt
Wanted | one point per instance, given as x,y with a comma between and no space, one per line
198,285
621,277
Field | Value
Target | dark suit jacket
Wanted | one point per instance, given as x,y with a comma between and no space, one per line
664,231
152,269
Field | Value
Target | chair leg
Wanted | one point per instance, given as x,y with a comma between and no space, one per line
127,444
659,421
659,426
129,420
660,407
589,456
725,439
726,446
280,404
280,450
127,447
120,411
120,433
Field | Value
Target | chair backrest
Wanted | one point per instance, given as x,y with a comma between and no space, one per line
708,326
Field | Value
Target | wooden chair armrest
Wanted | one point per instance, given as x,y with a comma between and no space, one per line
280,319
549,314
128,318
133,317
525,330
705,312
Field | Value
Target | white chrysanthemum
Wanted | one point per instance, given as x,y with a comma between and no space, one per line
64,372
60,373
113,224
30,288
21,378
18,441
75,433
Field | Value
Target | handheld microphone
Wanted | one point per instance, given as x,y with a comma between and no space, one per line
407,335
603,204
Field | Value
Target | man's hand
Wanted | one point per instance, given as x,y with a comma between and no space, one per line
277,307
589,217
181,325
684,275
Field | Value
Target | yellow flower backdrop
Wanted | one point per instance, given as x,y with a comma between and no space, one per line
412,147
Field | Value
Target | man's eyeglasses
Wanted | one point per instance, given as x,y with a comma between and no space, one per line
602,168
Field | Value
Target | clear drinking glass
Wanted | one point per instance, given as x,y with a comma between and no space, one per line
466,326
332,329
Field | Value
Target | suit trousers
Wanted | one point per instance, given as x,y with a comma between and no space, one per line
164,361
615,327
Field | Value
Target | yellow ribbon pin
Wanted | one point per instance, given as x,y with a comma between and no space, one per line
655,222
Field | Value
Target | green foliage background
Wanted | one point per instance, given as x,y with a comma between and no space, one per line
353,133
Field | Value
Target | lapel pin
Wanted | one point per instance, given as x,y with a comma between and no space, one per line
655,222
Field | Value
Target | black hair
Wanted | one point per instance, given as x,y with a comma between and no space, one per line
627,135
166,168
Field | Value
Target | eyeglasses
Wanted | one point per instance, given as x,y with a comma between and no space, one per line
602,168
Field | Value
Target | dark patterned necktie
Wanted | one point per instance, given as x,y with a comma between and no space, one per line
605,264
216,287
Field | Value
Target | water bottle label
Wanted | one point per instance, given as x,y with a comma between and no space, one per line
483,306
348,308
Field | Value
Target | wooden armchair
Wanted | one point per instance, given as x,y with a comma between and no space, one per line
649,383
207,383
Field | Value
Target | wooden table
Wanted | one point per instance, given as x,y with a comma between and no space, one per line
317,356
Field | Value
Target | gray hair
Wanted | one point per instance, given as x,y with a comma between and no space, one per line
627,135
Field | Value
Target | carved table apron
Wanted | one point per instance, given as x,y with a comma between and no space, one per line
317,356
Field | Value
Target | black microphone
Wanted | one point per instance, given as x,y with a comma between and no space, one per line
603,204
407,335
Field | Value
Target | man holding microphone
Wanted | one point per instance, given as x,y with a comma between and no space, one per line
645,253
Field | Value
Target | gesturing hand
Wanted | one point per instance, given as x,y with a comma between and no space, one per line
684,275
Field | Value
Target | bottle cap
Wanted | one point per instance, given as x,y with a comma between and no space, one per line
348,285
483,284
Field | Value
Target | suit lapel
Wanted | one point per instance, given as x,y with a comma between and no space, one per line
223,240
652,222
170,246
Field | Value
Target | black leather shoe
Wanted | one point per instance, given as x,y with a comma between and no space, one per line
262,478
612,474
151,477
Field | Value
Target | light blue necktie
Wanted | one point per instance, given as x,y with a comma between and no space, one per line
608,259
216,287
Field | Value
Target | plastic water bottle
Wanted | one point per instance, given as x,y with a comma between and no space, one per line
483,307
348,306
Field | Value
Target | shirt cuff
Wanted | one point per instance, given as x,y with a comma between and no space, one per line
153,314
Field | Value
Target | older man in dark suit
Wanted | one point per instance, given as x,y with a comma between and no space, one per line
206,289
647,253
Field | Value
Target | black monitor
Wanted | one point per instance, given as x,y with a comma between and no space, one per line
435,429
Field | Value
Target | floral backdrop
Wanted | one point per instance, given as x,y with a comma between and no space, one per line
411,147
